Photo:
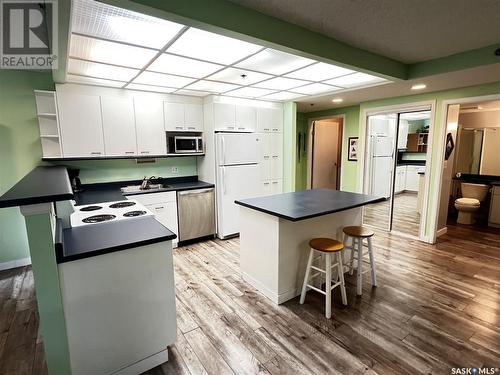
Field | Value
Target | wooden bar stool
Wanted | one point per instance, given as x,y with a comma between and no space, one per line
327,247
357,234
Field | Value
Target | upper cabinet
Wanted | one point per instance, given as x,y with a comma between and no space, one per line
118,122
151,139
237,118
270,120
180,117
81,125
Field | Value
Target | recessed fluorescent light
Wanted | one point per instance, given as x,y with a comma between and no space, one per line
250,92
183,66
337,100
192,92
160,79
353,80
109,22
282,96
98,70
274,62
419,86
93,81
315,88
211,86
87,48
150,88
320,72
239,76
280,83
212,47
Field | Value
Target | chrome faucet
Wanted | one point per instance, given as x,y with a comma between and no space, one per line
145,182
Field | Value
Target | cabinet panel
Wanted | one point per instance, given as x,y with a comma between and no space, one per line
166,214
277,186
245,118
81,125
265,156
494,217
266,187
118,123
224,116
411,178
151,139
270,120
174,116
276,150
193,117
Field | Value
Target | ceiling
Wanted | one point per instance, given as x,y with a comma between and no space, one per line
405,30
492,105
114,47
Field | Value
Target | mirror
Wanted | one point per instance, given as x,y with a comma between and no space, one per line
477,151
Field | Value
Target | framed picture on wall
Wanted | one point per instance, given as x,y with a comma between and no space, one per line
352,153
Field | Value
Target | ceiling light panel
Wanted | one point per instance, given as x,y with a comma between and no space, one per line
250,92
280,83
160,79
274,62
211,86
98,70
239,76
106,21
284,95
97,50
183,66
354,80
319,72
93,81
192,92
149,88
211,47
315,88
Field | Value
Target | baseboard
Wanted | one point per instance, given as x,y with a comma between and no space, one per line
15,263
441,232
144,364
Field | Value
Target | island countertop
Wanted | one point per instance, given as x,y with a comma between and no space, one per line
307,204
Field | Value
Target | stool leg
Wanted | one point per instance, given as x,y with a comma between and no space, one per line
351,262
372,261
341,277
328,286
359,271
306,277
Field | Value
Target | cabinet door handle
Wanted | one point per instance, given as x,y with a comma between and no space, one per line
266,183
144,152
266,157
275,157
129,152
179,127
266,129
191,127
159,208
275,129
95,153
230,127
241,128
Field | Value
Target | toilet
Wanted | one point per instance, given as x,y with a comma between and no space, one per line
472,196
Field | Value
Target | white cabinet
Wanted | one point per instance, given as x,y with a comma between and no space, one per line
118,123
81,125
270,187
180,117
270,120
151,139
412,177
494,217
271,156
403,134
164,207
230,117
400,181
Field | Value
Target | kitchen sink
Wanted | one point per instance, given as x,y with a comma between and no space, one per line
150,187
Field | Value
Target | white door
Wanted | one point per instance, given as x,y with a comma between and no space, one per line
166,214
326,154
118,121
237,148
224,116
193,117
81,125
234,182
245,118
174,116
151,138
269,119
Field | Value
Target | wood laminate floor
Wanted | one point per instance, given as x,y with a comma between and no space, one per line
406,219
436,307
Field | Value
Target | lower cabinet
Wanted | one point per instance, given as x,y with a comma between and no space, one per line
164,206
494,217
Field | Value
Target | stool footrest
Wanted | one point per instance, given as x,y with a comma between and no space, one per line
316,289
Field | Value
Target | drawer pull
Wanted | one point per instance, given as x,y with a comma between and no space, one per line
144,152
159,208
129,152
95,153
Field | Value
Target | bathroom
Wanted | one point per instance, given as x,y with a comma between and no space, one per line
475,183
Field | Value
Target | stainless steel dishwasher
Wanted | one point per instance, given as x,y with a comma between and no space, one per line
196,210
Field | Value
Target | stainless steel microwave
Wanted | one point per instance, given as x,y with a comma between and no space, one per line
188,145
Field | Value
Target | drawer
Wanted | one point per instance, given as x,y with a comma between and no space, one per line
155,198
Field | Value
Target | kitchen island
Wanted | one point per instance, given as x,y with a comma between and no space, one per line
275,231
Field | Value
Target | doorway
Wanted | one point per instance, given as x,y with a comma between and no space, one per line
326,153
396,155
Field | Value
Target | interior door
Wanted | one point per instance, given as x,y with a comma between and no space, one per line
326,154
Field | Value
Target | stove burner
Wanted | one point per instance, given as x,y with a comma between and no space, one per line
122,204
90,208
134,213
98,218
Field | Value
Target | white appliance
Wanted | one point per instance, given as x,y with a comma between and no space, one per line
108,212
382,165
237,175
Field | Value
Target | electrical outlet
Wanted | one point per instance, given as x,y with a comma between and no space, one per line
174,170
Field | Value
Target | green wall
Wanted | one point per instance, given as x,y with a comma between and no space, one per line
20,150
289,145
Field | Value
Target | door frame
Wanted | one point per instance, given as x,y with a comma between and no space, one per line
310,146
364,164
440,158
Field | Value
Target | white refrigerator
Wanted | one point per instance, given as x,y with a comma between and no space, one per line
238,177
382,165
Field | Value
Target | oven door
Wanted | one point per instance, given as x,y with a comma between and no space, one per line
186,145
